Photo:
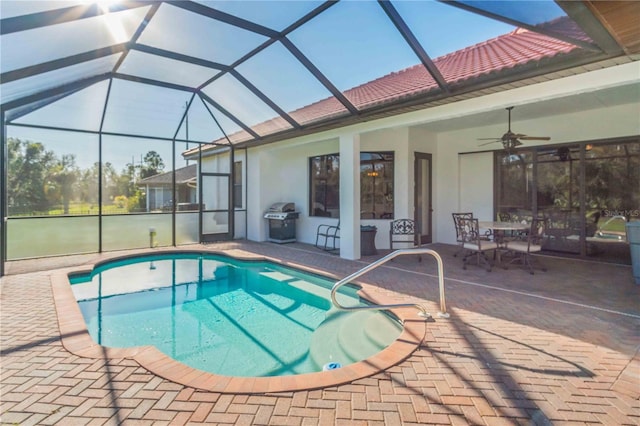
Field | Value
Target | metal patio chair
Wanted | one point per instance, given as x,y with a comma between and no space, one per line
404,231
474,244
532,244
456,224
327,236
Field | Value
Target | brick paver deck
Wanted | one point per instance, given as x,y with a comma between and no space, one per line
559,347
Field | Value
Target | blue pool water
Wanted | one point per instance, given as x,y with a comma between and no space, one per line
226,316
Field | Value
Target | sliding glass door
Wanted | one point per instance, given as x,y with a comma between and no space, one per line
588,191
558,196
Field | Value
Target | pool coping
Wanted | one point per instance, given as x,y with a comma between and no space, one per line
76,339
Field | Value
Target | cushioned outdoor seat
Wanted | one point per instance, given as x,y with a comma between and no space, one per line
473,244
532,244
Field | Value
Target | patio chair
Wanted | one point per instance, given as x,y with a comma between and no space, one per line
474,244
506,217
558,229
327,236
404,231
532,244
456,224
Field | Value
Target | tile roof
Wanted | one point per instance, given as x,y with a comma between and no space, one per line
506,51
511,50
183,175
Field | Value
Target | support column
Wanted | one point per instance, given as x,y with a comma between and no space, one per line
3,192
350,196
257,229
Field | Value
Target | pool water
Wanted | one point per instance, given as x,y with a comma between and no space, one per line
229,317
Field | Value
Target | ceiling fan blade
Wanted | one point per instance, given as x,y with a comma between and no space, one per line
512,140
535,138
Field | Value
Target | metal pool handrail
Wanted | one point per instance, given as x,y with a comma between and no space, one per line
443,309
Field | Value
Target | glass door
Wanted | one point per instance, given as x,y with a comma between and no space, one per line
588,191
612,198
558,197
215,214
423,210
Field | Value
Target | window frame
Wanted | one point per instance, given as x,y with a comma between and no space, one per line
313,210
335,213
386,179
238,189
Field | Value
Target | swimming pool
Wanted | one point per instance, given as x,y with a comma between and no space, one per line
229,317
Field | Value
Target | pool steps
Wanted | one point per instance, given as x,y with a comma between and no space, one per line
348,337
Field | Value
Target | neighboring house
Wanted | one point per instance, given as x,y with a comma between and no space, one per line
158,189
428,163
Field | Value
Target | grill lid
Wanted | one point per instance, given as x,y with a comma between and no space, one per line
281,215
282,207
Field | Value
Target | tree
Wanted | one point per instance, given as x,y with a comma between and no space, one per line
28,165
88,184
126,181
152,165
60,180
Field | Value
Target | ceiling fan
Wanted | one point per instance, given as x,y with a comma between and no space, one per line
511,140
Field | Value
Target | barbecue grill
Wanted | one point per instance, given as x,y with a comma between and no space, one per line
282,222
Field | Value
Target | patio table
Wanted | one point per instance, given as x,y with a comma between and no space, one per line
498,229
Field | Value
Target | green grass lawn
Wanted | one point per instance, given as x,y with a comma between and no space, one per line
77,210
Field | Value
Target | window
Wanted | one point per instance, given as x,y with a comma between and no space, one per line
325,186
237,184
376,185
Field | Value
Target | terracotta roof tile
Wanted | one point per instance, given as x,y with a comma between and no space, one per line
517,48
506,51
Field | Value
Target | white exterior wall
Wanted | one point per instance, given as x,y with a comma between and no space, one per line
279,172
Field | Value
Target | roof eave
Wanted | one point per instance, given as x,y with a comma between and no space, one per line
409,103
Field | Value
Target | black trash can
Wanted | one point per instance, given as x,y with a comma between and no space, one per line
368,240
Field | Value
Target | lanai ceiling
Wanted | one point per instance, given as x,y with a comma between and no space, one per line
255,72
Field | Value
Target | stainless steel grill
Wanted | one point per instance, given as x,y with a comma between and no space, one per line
282,222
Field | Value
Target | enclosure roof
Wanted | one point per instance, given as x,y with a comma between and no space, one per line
254,72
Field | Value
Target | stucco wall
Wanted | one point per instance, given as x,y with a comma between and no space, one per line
279,171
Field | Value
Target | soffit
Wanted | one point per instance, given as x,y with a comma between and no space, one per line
622,19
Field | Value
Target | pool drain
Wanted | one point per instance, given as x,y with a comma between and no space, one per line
331,366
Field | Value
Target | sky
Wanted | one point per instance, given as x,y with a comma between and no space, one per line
351,43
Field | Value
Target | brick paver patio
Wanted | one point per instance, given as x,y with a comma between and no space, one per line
559,347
